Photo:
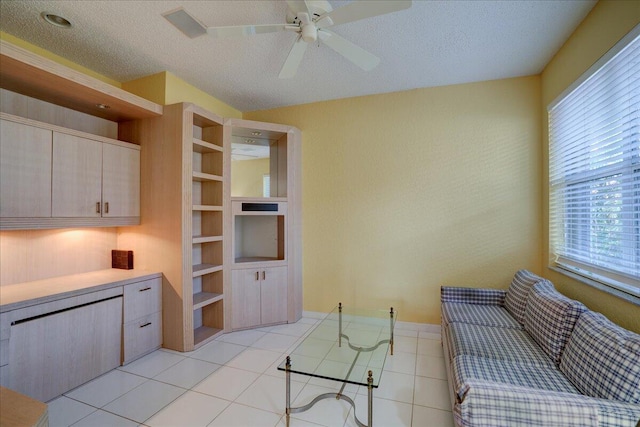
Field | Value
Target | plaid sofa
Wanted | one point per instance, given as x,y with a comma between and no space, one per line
529,356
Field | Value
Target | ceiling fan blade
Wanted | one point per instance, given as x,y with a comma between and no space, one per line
186,23
245,30
297,6
290,66
357,10
363,59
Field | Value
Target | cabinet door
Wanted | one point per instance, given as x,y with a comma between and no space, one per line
120,181
50,355
25,171
77,176
273,295
245,288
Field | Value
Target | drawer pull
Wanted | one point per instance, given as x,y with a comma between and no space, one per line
144,289
145,325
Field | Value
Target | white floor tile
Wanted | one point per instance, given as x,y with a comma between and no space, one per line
64,411
295,422
327,412
191,409
254,360
268,393
430,347
431,417
187,373
294,329
245,338
275,342
397,332
218,352
430,335
152,364
393,386
385,413
102,418
432,393
431,366
308,320
226,383
404,363
237,415
142,402
302,363
405,344
106,388
313,347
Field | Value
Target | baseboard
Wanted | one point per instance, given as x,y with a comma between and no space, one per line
407,326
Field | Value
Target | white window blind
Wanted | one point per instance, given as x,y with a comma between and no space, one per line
594,171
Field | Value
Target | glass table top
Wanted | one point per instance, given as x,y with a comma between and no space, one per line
348,356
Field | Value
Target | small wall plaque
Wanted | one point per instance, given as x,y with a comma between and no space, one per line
122,259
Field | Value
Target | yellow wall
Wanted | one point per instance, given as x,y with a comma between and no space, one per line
246,177
407,191
165,88
607,23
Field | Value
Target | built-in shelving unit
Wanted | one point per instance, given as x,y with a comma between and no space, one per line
264,258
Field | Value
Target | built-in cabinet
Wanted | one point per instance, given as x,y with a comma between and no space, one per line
53,346
259,296
265,255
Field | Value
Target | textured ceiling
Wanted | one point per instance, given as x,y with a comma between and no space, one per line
433,43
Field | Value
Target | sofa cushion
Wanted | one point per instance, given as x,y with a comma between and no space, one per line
550,318
513,345
487,315
516,299
467,368
472,295
602,359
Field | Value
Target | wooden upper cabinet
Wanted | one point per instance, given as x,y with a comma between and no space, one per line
25,171
77,176
120,181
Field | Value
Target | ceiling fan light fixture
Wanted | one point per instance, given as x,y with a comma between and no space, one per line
56,20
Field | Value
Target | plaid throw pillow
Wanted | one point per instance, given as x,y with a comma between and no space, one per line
516,299
603,360
550,317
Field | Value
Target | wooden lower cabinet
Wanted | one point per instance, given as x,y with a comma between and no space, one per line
142,329
259,296
54,353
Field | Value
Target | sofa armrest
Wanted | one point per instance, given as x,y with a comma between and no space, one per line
486,403
472,295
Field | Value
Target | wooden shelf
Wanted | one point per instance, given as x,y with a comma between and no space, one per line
203,147
205,177
38,77
206,239
207,208
202,269
202,299
204,334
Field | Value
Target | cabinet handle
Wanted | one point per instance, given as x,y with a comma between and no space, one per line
97,207
257,275
264,275
106,207
145,325
144,289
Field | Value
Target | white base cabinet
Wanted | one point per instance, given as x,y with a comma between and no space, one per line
259,296
54,353
142,330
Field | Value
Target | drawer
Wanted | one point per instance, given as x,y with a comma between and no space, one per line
142,336
142,298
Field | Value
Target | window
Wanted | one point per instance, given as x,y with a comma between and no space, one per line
594,172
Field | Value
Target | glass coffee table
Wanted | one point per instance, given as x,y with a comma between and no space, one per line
349,346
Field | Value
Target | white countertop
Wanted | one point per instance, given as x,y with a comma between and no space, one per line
25,294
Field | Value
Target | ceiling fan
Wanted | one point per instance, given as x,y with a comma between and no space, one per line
310,20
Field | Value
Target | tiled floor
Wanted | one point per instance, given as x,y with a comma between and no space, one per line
233,381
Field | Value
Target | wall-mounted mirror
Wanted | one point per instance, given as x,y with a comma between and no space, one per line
258,163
